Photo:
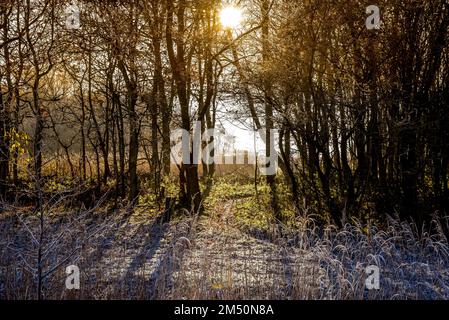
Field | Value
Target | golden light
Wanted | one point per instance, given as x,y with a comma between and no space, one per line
231,17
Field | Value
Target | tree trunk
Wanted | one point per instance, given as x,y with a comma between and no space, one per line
269,121
179,69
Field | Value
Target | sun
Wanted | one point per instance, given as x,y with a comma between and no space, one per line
231,17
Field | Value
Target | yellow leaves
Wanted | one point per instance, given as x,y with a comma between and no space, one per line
19,141
217,286
15,145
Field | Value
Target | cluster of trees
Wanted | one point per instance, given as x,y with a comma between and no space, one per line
366,109
361,113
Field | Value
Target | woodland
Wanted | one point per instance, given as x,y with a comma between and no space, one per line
92,91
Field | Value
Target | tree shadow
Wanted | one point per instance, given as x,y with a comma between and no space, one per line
137,276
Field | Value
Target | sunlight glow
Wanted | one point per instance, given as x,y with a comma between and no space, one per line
231,17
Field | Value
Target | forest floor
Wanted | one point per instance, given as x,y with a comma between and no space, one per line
190,258
216,256
205,258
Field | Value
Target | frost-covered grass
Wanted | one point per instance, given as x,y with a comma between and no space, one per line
312,263
216,257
